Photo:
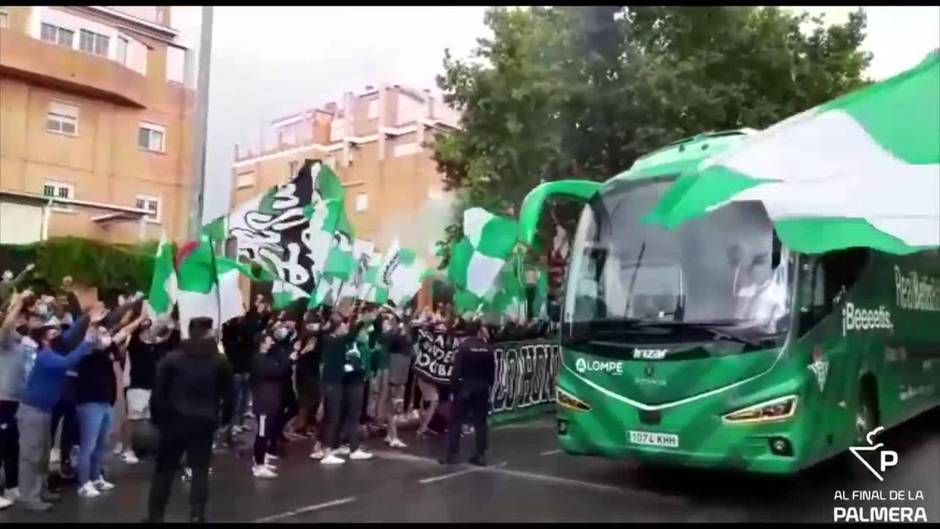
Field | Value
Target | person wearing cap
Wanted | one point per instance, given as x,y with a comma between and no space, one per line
42,391
192,394
470,382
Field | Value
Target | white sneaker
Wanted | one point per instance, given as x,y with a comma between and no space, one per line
55,456
332,459
263,471
4,503
88,490
343,450
360,455
317,453
130,457
12,494
397,443
103,485
118,449
270,458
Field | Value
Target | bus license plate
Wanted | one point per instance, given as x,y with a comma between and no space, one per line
669,440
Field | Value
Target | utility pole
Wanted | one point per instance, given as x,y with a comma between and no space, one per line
201,124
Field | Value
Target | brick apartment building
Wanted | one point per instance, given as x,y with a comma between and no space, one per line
95,110
380,142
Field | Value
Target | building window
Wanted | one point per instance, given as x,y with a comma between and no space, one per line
4,19
92,42
57,35
122,50
62,118
373,109
293,167
406,149
150,137
362,202
245,180
151,204
59,190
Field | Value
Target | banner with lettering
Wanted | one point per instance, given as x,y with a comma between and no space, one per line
525,371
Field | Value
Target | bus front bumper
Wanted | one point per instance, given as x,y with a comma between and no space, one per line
701,437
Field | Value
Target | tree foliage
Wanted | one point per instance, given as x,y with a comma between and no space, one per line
582,92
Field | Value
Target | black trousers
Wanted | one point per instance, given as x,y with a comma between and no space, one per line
473,404
9,443
65,411
343,405
264,438
182,435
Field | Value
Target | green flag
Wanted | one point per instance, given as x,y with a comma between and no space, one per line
477,258
162,294
861,170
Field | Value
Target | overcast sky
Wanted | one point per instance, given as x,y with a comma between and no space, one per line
269,62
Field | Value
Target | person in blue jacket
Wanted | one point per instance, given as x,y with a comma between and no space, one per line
42,391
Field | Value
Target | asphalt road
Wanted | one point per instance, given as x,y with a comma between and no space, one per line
528,479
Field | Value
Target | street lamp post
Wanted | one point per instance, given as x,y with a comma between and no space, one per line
201,124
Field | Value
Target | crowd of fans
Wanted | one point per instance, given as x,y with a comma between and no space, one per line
88,376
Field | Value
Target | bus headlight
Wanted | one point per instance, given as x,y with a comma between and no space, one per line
772,410
567,400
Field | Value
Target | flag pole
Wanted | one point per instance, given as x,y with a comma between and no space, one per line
218,288
201,123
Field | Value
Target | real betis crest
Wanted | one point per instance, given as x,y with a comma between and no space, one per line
820,368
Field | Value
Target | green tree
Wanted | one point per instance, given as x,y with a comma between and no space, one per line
582,92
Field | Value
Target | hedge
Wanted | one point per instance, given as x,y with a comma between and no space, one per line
110,267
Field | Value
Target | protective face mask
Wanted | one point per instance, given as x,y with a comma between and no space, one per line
281,333
104,342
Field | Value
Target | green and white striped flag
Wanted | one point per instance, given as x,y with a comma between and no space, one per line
406,276
478,258
327,292
371,291
361,256
861,170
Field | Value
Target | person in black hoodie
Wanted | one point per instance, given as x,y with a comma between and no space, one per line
284,336
470,382
192,390
238,341
269,373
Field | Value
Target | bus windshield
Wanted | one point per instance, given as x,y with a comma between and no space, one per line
716,271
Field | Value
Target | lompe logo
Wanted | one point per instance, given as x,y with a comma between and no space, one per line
610,367
886,458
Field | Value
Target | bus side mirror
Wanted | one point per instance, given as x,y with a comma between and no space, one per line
777,250
734,255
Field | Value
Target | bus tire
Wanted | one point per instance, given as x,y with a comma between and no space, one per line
866,412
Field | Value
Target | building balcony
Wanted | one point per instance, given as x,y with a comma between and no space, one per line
69,70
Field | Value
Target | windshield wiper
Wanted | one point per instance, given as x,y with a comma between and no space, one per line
718,328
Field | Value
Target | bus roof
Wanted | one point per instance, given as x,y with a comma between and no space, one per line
682,155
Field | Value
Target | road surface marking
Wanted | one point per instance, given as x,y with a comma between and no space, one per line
585,484
403,456
425,481
307,509
551,452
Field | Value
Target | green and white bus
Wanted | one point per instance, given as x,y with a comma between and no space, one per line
714,345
